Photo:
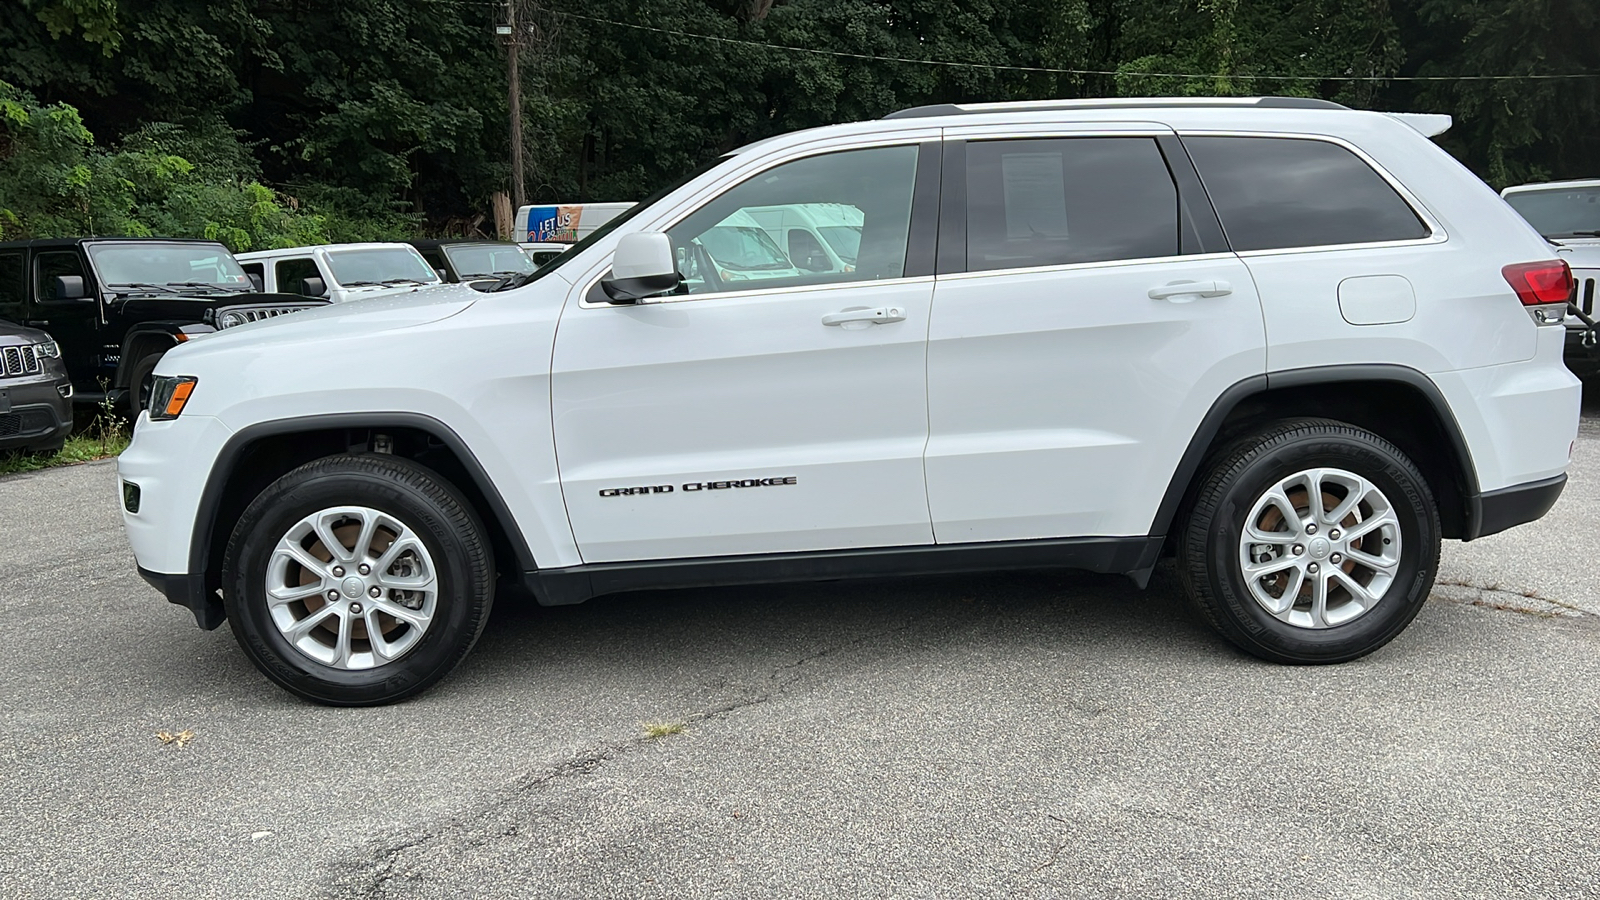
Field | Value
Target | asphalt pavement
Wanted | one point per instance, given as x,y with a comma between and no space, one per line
1051,735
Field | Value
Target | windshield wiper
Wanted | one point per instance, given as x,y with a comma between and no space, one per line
1562,234
511,282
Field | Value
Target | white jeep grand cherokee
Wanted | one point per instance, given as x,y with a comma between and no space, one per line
1291,344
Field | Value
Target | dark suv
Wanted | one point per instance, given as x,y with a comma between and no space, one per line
35,395
115,305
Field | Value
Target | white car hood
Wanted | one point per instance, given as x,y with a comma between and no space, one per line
1580,253
368,315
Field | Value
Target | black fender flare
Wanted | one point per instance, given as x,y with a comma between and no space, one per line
227,461
1201,443
169,334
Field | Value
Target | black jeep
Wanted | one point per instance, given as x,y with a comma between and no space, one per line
116,304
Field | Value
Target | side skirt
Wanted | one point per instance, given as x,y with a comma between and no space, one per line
1133,556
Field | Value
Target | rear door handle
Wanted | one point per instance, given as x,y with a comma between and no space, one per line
865,316
1185,291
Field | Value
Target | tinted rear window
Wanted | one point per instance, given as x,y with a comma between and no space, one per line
1277,193
1068,200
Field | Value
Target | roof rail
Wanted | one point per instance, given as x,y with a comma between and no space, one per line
968,109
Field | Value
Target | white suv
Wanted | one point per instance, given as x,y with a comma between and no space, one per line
1567,213
341,272
1291,344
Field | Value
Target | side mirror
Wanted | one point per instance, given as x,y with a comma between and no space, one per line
441,274
642,267
70,287
255,282
313,287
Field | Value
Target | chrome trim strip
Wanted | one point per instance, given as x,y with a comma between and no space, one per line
1075,267
755,292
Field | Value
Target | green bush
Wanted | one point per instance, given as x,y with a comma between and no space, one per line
166,179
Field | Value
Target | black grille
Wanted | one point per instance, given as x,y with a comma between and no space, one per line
10,425
15,361
1585,295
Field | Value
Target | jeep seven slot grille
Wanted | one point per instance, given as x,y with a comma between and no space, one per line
229,316
16,361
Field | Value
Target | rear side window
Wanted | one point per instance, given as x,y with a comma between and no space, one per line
1279,193
1068,200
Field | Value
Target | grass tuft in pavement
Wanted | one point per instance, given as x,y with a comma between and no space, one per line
655,730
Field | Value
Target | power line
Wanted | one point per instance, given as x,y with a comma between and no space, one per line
845,54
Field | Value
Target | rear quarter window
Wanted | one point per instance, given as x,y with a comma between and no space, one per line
1280,193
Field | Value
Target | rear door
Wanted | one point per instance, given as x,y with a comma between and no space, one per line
1087,314
765,410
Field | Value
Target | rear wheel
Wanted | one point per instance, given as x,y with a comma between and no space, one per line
358,580
1311,542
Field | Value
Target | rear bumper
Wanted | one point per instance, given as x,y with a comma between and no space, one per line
188,591
1519,504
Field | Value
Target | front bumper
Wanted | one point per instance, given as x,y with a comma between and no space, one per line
34,414
168,462
189,591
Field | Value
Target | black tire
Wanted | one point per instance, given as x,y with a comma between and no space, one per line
1210,547
140,379
431,507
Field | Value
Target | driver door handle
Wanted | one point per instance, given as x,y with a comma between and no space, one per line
1184,291
880,316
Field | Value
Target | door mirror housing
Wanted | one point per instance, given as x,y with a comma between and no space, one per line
70,289
642,267
255,282
313,287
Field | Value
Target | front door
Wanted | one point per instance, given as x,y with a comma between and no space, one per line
76,325
766,408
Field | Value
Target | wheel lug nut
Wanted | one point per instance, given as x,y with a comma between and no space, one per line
1299,549
338,571
355,609
1312,528
1312,568
333,596
1335,559
367,570
1334,534
376,592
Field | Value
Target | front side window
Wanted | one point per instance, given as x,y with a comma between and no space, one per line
292,275
736,242
49,266
1559,213
1068,200
1279,193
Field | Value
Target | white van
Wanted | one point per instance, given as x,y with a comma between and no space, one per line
340,271
817,237
735,249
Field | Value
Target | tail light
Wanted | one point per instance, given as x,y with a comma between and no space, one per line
1538,283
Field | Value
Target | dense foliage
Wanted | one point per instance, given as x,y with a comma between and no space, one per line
267,122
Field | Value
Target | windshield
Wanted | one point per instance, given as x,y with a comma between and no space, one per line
152,264
844,239
1569,212
488,259
743,247
380,265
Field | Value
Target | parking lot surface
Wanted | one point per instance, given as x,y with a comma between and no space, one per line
1052,735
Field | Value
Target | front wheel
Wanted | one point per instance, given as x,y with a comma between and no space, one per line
358,580
1311,542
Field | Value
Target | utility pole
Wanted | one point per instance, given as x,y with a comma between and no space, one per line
519,191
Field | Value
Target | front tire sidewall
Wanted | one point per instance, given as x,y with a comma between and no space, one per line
1253,627
457,618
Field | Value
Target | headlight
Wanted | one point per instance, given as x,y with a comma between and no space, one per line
231,319
48,350
169,394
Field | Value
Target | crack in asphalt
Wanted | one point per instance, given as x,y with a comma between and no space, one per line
1517,599
370,877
